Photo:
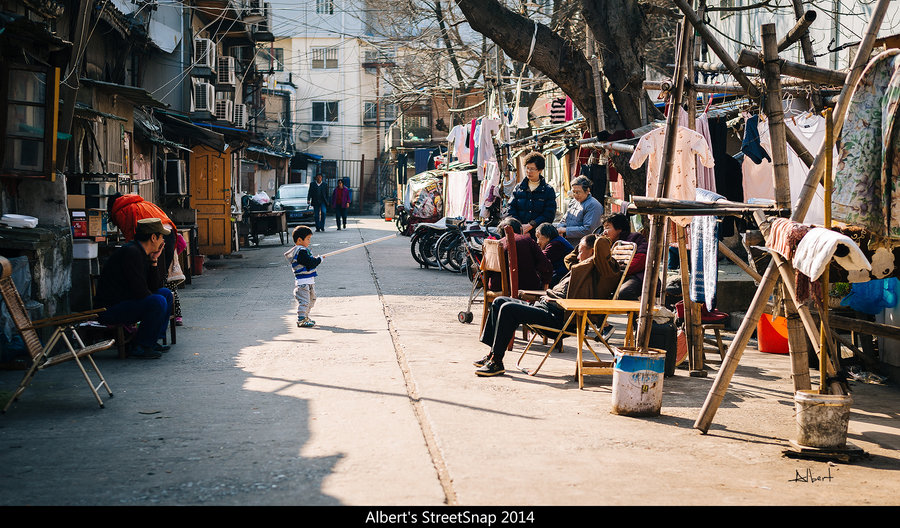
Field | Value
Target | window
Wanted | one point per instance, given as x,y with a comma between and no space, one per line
28,133
270,59
370,112
389,112
325,7
324,58
325,111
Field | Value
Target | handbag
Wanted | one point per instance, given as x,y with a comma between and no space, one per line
176,275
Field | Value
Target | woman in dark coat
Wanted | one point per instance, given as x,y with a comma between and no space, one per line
533,200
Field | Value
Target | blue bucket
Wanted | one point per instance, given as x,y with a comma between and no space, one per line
638,381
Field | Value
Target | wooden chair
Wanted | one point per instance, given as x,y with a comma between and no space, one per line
503,261
41,354
623,253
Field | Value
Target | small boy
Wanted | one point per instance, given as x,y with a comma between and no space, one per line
304,265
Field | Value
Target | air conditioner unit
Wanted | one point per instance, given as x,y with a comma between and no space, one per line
225,110
204,53
318,131
176,177
254,7
225,71
240,116
204,97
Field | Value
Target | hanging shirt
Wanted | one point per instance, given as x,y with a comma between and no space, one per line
459,194
486,152
759,179
689,145
459,145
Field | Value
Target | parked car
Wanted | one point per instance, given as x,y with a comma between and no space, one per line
291,198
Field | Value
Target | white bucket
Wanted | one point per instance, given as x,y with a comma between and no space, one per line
822,419
638,382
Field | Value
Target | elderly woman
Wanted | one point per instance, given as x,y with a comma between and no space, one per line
533,200
555,248
584,214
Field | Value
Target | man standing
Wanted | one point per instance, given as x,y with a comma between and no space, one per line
318,197
584,215
131,288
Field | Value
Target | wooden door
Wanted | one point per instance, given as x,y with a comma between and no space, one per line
210,173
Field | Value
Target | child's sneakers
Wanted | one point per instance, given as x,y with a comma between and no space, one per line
306,322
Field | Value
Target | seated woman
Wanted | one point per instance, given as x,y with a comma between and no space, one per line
535,270
618,227
555,247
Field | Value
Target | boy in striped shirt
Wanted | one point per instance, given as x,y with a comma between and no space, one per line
304,265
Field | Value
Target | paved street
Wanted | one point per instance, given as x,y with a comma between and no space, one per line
379,405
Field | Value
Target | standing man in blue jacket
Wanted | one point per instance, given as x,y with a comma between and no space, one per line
584,215
533,200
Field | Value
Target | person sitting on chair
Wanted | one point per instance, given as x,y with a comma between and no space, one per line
618,227
555,248
593,274
131,288
535,270
584,213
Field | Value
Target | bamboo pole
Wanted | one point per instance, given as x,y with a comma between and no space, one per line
754,59
807,192
823,326
800,31
725,250
657,223
775,112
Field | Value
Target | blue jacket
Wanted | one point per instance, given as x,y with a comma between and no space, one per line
304,263
533,207
582,218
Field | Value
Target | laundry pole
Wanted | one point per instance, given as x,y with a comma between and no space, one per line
807,193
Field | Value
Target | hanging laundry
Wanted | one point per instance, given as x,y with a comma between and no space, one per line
751,145
874,296
705,253
820,245
689,145
459,194
864,170
459,146
557,110
422,156
759,179
706,176
471,131
489,128
489,189
727,174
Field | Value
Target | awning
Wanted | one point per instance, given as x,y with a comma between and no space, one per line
84,111
269,152
152,129
173,126
137,96
310,156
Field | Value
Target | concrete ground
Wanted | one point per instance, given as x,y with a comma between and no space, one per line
379,405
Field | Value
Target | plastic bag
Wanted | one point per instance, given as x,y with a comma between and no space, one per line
872,297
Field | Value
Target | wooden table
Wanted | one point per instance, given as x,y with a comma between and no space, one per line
583,309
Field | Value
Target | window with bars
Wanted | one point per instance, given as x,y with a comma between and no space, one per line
325,111
324,58
370,112
325,7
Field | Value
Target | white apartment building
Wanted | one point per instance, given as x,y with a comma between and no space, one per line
321,50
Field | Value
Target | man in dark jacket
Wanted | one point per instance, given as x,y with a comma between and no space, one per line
131,288
318,197
533,200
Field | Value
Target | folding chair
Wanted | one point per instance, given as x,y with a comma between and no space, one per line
41,357
623,253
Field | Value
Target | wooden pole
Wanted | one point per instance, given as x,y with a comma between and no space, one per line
727,369
800,31
775,112
823,336
657,223
725,250
754,59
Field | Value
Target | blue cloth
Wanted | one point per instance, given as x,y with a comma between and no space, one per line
872,297
751,146
581,218
704,253
422,157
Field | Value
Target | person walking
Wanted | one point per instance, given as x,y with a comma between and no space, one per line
317,197
340,202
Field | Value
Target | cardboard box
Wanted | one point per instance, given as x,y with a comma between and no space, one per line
95,223
79,224
75,201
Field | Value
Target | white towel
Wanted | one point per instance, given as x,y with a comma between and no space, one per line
815,250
